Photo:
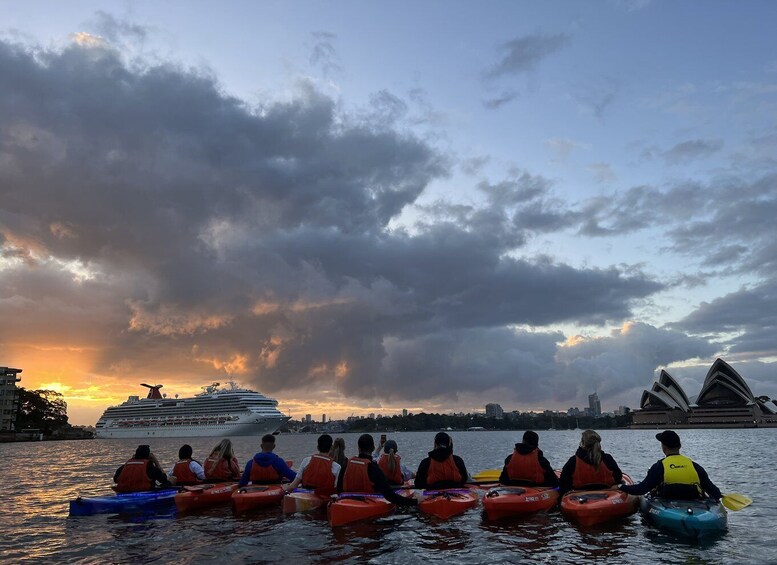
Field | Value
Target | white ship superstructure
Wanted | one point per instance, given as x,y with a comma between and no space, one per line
223,412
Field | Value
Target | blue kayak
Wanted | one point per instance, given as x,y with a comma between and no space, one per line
687,518
122,503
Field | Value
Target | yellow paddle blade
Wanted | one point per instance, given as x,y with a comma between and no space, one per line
735,501
489,475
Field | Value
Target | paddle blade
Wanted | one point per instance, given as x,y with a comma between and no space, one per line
489,475
736,502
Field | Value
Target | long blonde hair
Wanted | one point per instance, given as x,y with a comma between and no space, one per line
223,450
592,443
338,451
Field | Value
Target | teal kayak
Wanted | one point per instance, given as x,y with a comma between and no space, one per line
687,518
122,503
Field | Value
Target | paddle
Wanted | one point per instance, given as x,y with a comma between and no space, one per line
736,502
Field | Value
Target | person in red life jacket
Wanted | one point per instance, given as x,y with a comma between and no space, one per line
266,468
442,469
141,473
589,468
391,464
187,471
675,476
362,474
221,465
527,465
318,472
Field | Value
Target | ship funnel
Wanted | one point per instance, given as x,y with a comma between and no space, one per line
153,390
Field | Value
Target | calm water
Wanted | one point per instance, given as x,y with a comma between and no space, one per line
40,478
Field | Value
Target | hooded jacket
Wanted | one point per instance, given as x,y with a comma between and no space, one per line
549,476
270,461
567,473
440,454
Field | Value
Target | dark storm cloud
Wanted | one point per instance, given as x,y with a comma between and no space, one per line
522,54
692,149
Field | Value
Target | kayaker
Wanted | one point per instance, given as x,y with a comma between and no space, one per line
337,453
266,467
675,476
221,464
187,471
318,472
589,468
391,464
362,474
527,465
140,473
442,469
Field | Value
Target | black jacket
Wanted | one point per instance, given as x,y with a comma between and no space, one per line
565,481
440,454
551,480
655,480
379,482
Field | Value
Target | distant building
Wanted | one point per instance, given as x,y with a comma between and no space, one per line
323,418
371,416
404,412
308,419
494,411
594,406
622,410
573,412
9,398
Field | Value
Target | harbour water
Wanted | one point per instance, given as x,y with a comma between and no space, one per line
40,478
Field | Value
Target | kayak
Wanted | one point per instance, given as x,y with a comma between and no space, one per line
256,496
447,503
503,502
352,507
687,518
202,496
122,503
304,500
591,507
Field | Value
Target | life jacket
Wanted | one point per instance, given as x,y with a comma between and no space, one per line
356,478
394,477
218,469
680,478
586,474
526,467
134,477
443,471
263,475
183,473
318,473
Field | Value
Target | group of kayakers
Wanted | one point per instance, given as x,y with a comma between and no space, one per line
380,470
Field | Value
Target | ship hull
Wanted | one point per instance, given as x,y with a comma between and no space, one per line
267,426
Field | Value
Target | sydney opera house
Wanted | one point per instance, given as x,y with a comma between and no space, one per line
725,401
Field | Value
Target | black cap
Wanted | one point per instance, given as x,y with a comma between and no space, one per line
531,438
442,439
669,439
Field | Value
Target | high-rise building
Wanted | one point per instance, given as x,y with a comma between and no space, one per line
308,419
404,411
494,411
323,418
9,398
594,406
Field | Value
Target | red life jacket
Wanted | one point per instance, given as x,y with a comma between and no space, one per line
318,473
356,478
220,469
263,475
586,474
443,471
526,467
183,474
134,477
395,477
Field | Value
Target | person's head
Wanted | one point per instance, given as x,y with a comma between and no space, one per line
185,452
670,442
268,442
338,450
390,446
366,443
143,452
443,440
223,450
591,442
324,443
531,438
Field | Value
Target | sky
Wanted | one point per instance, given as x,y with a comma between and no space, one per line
361,207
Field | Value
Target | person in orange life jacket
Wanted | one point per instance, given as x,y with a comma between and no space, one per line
589,468
391,464
187,471
319,471
362,474
221,464
266,467
674,476
527,466
442,469
140,473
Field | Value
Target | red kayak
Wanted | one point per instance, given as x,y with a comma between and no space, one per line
352,507
304,500
447,503
505,501
256,496
591,507
202,496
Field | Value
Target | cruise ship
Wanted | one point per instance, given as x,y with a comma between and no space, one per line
227,411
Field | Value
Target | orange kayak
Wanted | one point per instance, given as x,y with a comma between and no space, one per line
447,503
591,507
304,500
256,496
505,501
202,496
352,507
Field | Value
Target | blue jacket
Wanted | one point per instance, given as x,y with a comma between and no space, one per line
265,460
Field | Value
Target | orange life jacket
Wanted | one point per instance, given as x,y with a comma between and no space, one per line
356,478
220,469
443,471
586,474
183,474
134,477
263,475
526,467
318,473
394,477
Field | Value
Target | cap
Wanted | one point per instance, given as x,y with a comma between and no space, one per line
531,438
669,439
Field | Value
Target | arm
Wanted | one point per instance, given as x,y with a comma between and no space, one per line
118,473
504,478
617,474
407,474
655,477
197,469
421,473
711,490
280,465
246,473
465,478
551,480
340,476
565,481
156,474
298,479
382,486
